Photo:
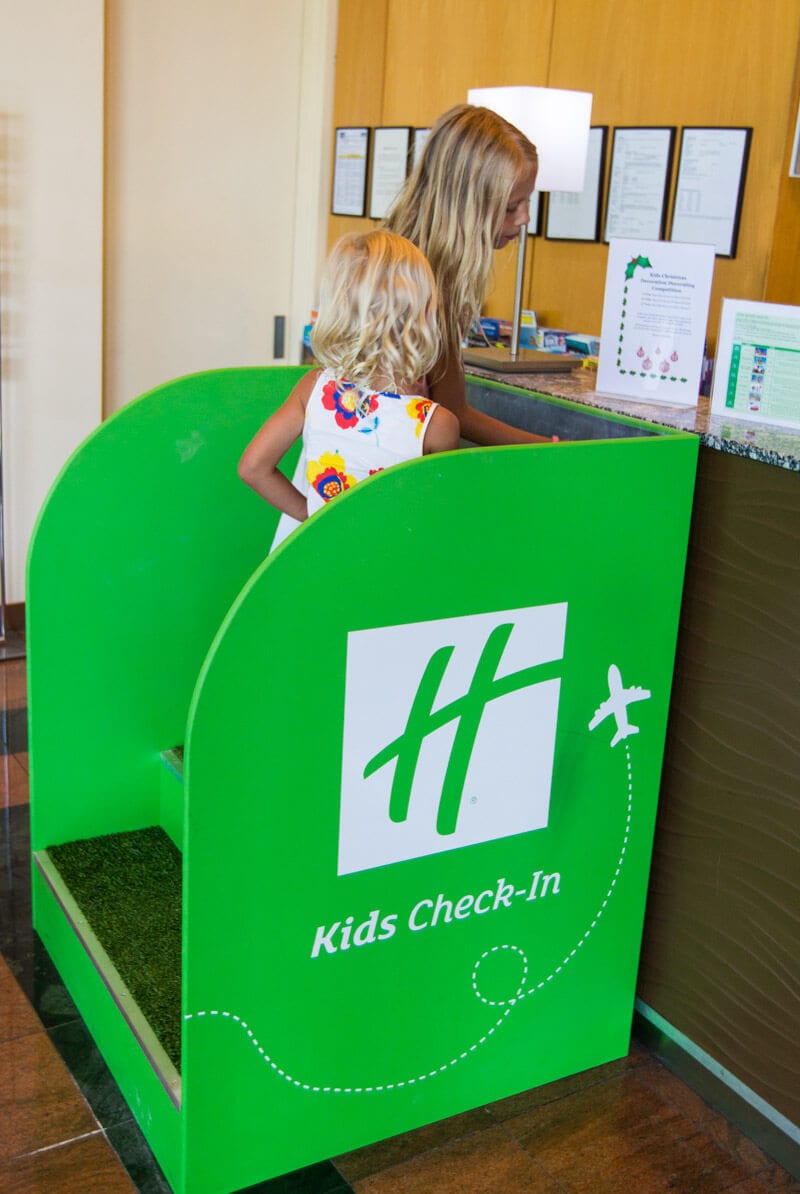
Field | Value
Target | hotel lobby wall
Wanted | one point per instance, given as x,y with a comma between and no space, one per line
646,64
51,207
140,144
783,279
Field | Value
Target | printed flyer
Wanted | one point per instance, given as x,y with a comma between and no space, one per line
757,375
655,313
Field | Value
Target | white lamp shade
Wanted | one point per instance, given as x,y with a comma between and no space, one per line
556,121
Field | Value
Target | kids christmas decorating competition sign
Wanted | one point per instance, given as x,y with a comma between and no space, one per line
654,320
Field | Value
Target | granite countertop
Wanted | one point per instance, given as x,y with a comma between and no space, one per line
771,445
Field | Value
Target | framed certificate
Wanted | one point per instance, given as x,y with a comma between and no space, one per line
712,166
350,172
535,220
641,166
419,139
390,150
576,216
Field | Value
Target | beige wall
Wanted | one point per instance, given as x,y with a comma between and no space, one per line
209,191
683,63
51,196
164,181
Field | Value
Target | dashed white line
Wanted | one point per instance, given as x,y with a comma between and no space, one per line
507,1004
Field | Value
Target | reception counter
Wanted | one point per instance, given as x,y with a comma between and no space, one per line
720,966
755,441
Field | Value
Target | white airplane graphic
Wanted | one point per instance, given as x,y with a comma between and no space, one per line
617,703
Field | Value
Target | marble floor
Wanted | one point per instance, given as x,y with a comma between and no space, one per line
630,1126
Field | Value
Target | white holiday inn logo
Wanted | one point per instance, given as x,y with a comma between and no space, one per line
449,733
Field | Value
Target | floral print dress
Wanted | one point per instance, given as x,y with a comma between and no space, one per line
350,434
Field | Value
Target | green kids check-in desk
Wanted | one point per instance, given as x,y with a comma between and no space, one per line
341,840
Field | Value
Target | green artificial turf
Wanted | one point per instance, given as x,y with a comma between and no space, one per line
128,886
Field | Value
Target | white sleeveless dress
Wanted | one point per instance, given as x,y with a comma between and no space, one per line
350,434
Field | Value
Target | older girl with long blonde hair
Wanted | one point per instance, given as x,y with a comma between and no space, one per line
467,197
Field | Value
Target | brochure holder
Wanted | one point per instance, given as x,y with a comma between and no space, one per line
422,741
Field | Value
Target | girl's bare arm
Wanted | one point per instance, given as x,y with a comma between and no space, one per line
442,433
450,390
258,466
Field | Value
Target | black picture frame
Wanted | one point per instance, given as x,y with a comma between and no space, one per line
578,217
352,145
534,225
709,189
640,172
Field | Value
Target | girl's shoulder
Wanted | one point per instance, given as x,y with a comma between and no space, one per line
310,383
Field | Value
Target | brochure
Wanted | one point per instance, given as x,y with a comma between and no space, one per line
757,371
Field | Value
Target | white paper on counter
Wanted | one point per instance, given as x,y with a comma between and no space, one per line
655,314
757,374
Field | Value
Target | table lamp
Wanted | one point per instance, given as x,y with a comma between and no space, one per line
557,122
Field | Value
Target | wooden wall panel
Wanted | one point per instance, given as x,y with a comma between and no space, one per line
783,277
360,77
360,62
681,63
435,53
716,63
438,51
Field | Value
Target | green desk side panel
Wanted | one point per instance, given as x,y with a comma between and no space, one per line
356,965
147,1097
143,543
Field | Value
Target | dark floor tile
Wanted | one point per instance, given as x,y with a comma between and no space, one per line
13,730
487,1162
386,1153
134,1153
16,929
15,848
15,864
38,978
86,1166
40,1105
44,987
321,1178
85,1062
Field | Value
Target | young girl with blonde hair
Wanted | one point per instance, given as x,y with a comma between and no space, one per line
467,196
376,335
